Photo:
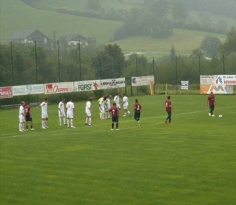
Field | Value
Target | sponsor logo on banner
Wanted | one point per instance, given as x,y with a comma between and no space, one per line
6,92
142,80
19,90
225,80
86,85
184,85
112,83
54,88
28,89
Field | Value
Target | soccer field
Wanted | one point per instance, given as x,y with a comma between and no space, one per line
190,162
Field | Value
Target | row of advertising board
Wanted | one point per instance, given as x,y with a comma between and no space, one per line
67,87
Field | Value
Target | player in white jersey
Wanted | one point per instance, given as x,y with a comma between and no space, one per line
107,106
44,110
70,110
117,100
125,105
61,112
88,111
21,116
101,104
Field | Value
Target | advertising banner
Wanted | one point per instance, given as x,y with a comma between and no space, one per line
28,89
218,84
225,79
142,80
112,83
184,85
87,85
54,88
6,92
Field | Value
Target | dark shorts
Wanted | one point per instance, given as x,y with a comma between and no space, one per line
28,118
114,119
136,115
212,107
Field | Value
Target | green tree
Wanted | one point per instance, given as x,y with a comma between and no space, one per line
94,5
210,45
229,45
172,54
179,11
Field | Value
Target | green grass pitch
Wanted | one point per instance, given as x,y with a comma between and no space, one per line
189,162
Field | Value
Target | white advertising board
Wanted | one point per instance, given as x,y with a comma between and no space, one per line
54,88
142,80
87,85
28,89
112,83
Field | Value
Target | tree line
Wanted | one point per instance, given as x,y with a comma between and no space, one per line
29,63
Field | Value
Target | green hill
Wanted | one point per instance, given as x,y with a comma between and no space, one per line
16,15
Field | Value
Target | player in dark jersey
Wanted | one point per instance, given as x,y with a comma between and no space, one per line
115,116
168,109
28,117
137,109
211,104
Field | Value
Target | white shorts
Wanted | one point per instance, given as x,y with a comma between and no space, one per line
61,114
44,115
21,118
107,109
102,109
125,107
70,115
88,113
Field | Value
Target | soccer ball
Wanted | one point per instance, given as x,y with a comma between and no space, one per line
220,116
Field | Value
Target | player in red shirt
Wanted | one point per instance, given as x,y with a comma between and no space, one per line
168,109
115,116
137,109
211,103
28,117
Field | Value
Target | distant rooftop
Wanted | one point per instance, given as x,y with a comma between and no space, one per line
22,34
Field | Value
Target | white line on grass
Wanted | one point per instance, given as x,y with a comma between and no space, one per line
31,134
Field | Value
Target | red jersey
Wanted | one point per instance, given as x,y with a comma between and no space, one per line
168,105
211,99
114,111
27,110
137,106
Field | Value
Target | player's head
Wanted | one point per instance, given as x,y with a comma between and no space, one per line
114,104
90,99
168,97
211,92
45,99
136,100
27,103
124,94
117,94
22,103
63,99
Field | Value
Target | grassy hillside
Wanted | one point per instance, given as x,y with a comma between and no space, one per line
184,42
16,15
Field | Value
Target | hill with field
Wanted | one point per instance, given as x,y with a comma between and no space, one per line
17,15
